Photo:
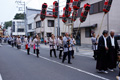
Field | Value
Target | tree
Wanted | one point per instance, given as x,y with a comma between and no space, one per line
8,24
19,16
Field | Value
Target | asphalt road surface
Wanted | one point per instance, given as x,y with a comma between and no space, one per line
17,65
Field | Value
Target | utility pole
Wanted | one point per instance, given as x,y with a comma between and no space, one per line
23,4
58,28
108,22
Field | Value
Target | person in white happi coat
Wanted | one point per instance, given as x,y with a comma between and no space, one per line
73,42
52,43
19,42
36,41
25,41
66,47
61,46
28,45
94,45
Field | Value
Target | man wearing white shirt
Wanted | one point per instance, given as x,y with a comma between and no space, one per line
112,52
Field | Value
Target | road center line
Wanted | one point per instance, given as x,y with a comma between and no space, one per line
1,77
91,74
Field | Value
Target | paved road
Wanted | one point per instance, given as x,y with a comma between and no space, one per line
17,65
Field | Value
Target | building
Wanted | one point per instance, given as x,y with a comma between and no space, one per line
49,26
30,14
8,31
1,32
18,27
94,18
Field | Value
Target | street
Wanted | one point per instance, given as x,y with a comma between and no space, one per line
17,65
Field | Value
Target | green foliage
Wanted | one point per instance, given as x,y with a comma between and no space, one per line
8,24
19,16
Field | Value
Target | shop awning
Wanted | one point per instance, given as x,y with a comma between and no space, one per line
90,26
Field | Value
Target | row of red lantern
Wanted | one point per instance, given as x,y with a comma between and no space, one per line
68,8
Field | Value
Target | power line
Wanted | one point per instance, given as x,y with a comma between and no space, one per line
28,2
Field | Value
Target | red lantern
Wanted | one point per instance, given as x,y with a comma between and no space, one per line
84,12
107,5
55,9
76,4
64,19
68,1
67,10
71,4
43,12
74,15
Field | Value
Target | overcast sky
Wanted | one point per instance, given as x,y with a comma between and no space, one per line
9,7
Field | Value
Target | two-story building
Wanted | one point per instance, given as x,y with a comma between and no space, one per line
18,27
49,26
30,14
94,18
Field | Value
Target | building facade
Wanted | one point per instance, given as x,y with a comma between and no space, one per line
49,26
8,31
30,14
94,18
1,32
18,27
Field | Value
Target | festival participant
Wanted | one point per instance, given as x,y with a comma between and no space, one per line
94,45
28,45
15,41
12,41
45,41
36,41
33,45
66,46
52,43
102,53
25,40
61,46
112,52
0,40
57,42
73,42
19,42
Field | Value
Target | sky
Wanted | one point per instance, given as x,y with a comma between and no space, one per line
9,8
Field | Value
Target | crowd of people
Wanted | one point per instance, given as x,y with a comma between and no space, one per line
62,44
105,48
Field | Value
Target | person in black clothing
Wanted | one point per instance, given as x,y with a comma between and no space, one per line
112,52
102,57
